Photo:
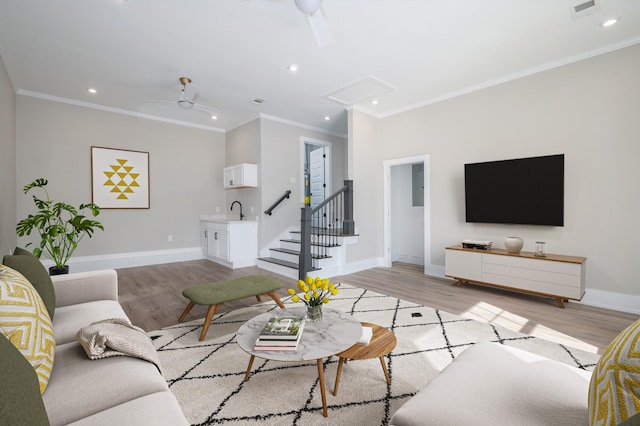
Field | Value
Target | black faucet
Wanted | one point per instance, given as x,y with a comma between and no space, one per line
240,204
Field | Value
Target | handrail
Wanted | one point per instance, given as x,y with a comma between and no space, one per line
321,227
281,199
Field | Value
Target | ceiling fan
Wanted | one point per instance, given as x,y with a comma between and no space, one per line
317,21
187,98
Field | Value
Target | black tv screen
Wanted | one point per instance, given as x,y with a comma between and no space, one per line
527,191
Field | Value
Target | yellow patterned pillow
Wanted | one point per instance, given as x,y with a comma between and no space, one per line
614,390
24,320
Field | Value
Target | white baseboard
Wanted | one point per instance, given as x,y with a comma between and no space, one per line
610,300
129,260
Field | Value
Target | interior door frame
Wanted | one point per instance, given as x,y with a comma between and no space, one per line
387,164
327,164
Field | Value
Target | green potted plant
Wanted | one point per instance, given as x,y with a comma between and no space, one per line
60,226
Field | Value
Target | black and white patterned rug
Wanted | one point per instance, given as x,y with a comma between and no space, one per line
207,377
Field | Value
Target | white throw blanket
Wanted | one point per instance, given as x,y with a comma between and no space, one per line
117,337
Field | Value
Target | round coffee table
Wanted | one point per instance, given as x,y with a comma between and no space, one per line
333,334
382,342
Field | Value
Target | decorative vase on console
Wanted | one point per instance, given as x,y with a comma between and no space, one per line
513,244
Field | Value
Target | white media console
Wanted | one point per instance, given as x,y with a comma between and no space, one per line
558,276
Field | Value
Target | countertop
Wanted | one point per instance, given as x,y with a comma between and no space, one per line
224,219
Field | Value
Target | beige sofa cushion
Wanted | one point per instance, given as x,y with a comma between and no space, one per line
493,384
70,319
80,387
157,409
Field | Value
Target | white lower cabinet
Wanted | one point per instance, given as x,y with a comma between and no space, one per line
558,276
231,243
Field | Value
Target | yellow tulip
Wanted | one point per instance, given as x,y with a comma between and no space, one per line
316,294
307,297
291,291
325,300
331,287
301,284
305,289
309,280
313,287
295,299
334,291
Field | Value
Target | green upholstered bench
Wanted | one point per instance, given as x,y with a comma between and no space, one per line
214,294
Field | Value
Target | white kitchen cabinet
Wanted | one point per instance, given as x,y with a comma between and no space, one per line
241,176
559,276
232,243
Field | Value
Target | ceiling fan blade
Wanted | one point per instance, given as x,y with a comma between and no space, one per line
159,101
320,28
207,109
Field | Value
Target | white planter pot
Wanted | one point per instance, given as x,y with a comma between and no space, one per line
513,244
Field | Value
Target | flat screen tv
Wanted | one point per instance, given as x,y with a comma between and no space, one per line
526,191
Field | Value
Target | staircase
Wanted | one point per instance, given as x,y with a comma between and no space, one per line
328,254
317,248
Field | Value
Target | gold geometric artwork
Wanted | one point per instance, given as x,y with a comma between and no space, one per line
121,178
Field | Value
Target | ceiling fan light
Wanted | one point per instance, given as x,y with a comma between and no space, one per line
308,6
185,104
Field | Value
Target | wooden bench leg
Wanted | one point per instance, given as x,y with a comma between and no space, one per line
276,299
186,311
207,321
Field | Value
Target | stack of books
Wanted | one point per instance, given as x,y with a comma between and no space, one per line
280,334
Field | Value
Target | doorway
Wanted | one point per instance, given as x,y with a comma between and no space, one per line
316,171
406,222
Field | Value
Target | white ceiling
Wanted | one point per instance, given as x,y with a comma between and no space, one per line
239,50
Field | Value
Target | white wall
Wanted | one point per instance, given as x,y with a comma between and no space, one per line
8,218
587,110
243,146
54,140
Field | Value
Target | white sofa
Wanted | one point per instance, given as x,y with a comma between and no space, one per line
494,384
119,390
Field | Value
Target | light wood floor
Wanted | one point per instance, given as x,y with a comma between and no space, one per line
152,298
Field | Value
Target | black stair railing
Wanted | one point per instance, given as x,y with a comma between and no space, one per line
281,199
323,225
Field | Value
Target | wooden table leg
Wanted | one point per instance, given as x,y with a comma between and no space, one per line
322,391
246,375
386,372
335,387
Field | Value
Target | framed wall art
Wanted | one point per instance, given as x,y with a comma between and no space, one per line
119,178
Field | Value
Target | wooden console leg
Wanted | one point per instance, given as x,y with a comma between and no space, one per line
276,299
559,302
207,321
186,311
459,284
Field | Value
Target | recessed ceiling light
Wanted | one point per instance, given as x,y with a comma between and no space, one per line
327,118
374,102
293,68
214,117
92,90
610,22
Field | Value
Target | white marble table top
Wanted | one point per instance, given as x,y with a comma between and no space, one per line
334,333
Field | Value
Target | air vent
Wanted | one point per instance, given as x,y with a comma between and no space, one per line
258,101
584,8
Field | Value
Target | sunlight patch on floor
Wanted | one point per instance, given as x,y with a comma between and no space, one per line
488,313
